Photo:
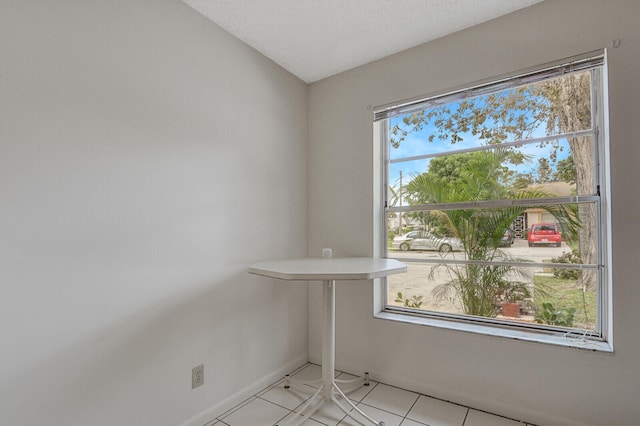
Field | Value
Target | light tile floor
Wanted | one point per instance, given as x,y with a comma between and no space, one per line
394,406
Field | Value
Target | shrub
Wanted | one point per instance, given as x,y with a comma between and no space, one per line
549,315
567,257
414,302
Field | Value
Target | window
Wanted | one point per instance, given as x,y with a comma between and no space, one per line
496,199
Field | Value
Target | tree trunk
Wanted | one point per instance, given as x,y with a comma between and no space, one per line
573,112
582,154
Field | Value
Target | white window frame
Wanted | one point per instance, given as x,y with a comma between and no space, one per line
488,326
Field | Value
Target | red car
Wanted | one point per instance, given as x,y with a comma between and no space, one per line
544,234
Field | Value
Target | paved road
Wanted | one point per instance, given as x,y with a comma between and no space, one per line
416,281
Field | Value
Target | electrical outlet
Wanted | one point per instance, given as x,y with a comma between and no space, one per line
197,376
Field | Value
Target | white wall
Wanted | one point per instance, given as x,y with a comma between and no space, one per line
539,383
147,158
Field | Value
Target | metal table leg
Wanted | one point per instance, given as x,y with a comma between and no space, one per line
329,390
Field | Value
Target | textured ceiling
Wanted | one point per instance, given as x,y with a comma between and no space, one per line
314,39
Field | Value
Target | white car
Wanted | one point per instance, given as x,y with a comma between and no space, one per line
424,240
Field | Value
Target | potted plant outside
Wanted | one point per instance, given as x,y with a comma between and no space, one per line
512,297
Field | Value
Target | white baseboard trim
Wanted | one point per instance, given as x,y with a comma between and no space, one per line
228,403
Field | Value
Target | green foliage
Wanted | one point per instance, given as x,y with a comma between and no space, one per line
544,171
480,176
510,115
567,257
562,317
450,169
515,292
523,180
558,105
415,301
564,294
479,288
565,171
481,179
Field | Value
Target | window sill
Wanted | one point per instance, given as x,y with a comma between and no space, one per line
557,339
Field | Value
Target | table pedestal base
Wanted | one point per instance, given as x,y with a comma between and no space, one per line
318,399
329,391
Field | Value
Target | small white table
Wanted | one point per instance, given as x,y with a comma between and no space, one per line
328,270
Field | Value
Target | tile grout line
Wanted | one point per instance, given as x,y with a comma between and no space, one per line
261,393
465,416
236,408
409,410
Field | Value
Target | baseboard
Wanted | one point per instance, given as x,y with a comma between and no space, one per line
228,403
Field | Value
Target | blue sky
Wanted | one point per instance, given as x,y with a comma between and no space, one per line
417,143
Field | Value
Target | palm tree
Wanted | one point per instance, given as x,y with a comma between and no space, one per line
479,286
560,105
